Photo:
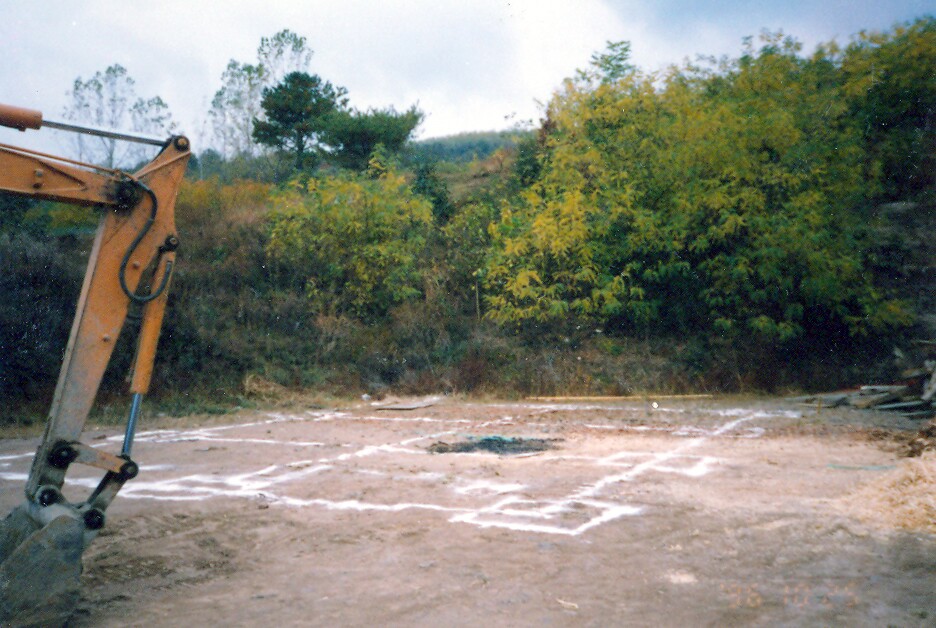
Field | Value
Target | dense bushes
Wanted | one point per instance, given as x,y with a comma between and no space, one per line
353,242
39,287
727,200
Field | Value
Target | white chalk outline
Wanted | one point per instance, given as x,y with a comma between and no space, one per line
490,517
509,510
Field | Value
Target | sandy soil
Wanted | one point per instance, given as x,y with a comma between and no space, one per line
683,513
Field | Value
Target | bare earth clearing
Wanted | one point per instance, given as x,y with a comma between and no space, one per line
694,512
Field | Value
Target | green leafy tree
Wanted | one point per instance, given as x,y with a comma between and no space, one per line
297,115
352,241
354,135
428,183
466,241
610,65
889,83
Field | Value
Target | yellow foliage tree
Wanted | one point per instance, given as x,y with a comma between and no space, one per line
719,197
354,241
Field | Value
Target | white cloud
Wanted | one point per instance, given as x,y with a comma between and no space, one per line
552,40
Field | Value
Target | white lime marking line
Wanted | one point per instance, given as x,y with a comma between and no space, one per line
546,516
498,504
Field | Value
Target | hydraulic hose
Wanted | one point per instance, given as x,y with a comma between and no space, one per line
136,298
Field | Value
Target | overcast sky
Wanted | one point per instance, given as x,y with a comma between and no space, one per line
470,65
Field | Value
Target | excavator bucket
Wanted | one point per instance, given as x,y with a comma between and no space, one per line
40,568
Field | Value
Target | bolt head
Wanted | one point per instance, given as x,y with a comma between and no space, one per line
94,519
47,497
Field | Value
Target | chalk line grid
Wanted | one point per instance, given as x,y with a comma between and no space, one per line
573,514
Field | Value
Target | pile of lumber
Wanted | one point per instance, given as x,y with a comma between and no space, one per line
914,398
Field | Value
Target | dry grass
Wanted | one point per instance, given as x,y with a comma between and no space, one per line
262,389
905,498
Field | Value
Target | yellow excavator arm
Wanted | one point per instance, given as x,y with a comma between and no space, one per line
130,265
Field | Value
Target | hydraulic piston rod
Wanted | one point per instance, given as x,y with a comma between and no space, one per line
22,119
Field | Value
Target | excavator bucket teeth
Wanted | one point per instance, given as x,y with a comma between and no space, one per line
40,570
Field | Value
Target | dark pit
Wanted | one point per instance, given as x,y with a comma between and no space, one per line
495,444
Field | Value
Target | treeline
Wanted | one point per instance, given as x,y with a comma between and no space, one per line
465,147
732,224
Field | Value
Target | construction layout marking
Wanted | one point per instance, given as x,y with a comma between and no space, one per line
547,506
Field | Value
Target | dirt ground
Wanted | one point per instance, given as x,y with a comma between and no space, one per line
654,512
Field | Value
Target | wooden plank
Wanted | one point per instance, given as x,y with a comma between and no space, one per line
902,405
620,398
414,405
830,400
877,390
870,401
922,414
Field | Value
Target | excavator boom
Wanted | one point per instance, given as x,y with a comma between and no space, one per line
130,266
